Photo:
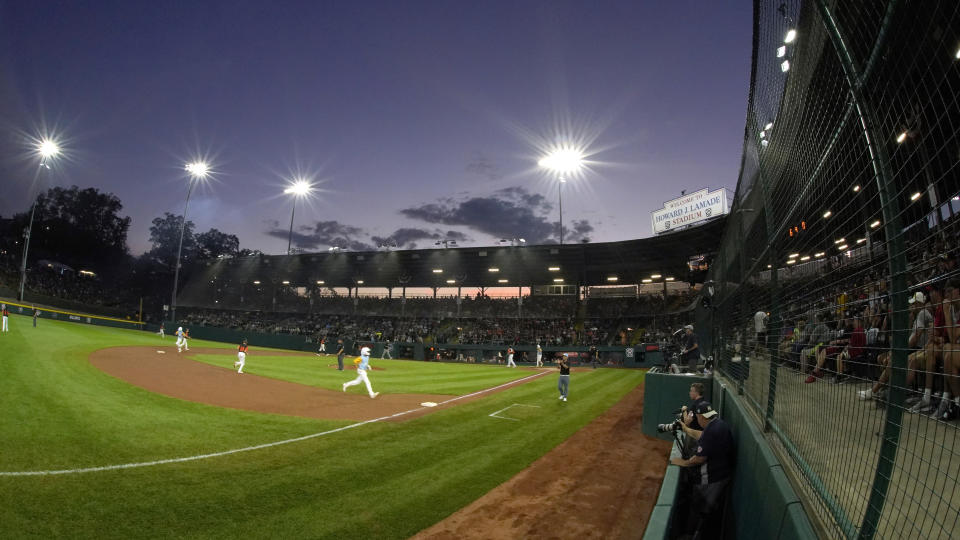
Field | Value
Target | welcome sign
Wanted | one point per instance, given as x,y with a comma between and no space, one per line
689,210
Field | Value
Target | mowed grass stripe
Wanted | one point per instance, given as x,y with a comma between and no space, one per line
383,480
397,376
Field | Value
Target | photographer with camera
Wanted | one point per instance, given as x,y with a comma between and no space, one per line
708,474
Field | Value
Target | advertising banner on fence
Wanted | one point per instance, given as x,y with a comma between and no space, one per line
689,210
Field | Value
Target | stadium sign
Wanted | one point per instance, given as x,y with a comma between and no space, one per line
689,210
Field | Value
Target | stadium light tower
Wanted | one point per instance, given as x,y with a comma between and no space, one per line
299,188
197,170
562,161
47,149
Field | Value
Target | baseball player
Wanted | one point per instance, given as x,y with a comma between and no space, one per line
539,356
179,339
387,353
340,353
161,331
6,317
186,338
36,315
241,356
323,346
362,367
510,361
563,385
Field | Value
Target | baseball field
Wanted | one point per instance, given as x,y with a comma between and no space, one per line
111,433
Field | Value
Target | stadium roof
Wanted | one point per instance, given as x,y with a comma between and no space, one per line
586,264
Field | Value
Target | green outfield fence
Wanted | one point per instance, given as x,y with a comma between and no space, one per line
846,207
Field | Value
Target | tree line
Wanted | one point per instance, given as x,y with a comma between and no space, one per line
85,230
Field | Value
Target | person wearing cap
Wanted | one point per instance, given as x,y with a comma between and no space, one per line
362,367
714,462
926,357
922,321
563,384
691,350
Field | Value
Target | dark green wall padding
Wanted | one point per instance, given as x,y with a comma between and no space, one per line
762,503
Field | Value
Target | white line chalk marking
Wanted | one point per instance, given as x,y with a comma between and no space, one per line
496,414
251,448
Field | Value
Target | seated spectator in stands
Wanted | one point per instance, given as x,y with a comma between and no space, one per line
922,322
819,336
949,410
838,349
926,358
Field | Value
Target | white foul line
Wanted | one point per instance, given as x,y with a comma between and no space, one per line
250,448
495,414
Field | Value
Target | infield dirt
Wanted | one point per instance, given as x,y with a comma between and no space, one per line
600,483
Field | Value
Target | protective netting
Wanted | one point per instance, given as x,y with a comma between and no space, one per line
836,301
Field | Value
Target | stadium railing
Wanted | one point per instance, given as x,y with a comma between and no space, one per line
846,207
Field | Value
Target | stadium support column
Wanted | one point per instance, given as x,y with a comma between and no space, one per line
26,248
896,258
774,321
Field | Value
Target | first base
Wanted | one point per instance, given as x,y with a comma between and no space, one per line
161,352
428,404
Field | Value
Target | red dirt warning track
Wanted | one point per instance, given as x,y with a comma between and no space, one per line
600,483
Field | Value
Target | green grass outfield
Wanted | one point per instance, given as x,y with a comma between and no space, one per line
379,480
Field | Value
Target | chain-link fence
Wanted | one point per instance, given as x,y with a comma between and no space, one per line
836,296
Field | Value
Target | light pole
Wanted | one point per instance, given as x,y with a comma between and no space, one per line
299,188
47,150
560,200
562,161
198,170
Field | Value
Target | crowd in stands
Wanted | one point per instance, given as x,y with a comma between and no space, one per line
836,327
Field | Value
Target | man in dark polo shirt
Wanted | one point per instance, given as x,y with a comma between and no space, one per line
714,462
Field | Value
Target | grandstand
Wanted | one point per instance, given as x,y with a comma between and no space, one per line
542,293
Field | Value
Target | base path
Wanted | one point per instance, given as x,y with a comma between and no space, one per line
600,483
176,375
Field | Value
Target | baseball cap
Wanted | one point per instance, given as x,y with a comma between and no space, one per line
688,327
918,297
706,409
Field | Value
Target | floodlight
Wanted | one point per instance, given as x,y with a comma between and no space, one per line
299,188
320,282
842,247
647,280
827,214
915,196
198,169
875,224
819,254
839,241
501,281
668,279
48,148
451,281
785,66
805,258
768,126
493,269
781,51
563,160
438,270
554,268
285,282
861,240
257,282
558,280
359,282
791,261
856,189
791,36
793,255
901,137
655,276
613,278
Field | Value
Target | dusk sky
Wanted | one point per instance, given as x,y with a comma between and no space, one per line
418,120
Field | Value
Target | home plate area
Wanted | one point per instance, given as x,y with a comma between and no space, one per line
516,412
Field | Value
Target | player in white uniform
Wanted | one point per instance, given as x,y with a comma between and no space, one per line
241,356
6,317
179,339
362,369
539,356
510,361
161,331
186,339
386,351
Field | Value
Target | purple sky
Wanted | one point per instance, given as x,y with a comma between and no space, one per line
419,119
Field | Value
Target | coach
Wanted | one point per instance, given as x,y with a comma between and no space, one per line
691,349
714,460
